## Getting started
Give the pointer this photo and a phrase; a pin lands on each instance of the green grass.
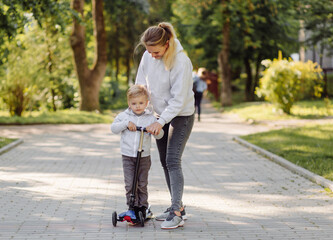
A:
(310, 147)
(5, 141)
(58, 117)
(315, 109)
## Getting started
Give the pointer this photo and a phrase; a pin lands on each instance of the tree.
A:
(267, 27)
(14, 14)
(223, 58)
(240, 34)
(89, 79)
(126, 20)
(318, 21)
(36, 60)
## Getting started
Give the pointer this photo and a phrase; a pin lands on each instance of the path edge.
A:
(289, 165)
(10, 146)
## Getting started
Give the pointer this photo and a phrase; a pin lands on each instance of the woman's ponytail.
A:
(170, 54)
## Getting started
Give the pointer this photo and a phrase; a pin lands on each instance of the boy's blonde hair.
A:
(137, 91)
(158, 36)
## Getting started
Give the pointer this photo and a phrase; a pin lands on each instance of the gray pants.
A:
(171, 148)
(141, 195)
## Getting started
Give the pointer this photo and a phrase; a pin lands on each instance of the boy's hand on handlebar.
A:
(131, 126)
(154, 128)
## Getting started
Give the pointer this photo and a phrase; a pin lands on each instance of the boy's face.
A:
(138, 104)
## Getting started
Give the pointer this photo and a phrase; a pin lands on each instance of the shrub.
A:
(286, 81)
(17, 87)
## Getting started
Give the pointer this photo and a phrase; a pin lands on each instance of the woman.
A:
(167, 72)
(199, 86)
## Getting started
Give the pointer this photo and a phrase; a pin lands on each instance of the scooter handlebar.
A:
(140, 128)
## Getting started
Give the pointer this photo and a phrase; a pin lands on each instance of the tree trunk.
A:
(117, 56)
(90, 80)
(223, 60)
(128, 66)
(248, 86)
(256, 77)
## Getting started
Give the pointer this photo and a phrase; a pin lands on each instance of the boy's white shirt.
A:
(170, 90)
(129, 142)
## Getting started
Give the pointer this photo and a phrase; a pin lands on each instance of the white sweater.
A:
(129, 142)
(170, 90)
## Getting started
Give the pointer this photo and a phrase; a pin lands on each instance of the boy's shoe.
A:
(136, 211)
(143, 209)
(149, 213)
(172, 221)
(163, 216)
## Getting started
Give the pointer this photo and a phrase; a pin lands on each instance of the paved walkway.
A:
(65, 181)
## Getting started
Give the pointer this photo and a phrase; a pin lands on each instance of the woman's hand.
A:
(154, 128)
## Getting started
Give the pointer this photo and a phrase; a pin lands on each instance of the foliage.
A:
(257, 28)
(19, 80)
(39, 71)
(309, 146)
(285, 82)
(318, 20)
(112, 94)
(15, 14)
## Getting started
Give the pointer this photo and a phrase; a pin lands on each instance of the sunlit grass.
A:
(5, 141)
(58, 117)
(310, 147)
(266, 111)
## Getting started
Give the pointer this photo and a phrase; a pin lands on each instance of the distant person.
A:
(167, 72)
(125, 123)
(199, 86)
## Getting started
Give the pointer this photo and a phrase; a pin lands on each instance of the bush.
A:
(18, 82)
(285, 81)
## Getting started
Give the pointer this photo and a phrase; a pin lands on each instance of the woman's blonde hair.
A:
(158, 36)
(137, 91)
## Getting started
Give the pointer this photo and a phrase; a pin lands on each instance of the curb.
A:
(289, 165)
(10, 146)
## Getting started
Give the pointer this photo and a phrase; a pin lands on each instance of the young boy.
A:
(125, 123)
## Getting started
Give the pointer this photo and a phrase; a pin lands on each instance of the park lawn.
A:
(5, 141)
(258, 111)
(310, 147)
(58, 117)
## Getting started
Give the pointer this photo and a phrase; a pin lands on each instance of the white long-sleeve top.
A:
(129, 141)
(170, 90)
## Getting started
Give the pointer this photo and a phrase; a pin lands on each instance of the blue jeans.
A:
(171, 148)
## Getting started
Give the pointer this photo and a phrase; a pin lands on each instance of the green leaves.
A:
(318, 19)
(285, 82)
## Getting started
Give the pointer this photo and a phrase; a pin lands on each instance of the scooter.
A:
(130, 215)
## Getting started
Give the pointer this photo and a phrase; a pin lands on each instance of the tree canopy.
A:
(227, 37)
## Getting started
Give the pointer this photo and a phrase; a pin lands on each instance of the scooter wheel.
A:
(142, 220)
(114, 219)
